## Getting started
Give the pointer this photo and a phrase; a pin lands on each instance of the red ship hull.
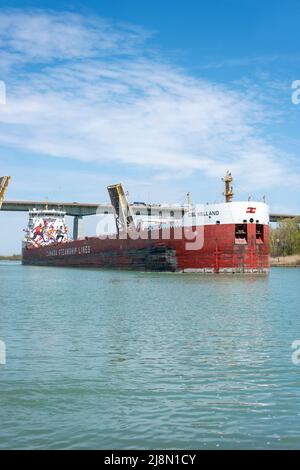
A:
(221, 252)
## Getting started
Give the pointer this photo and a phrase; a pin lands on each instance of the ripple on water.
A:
(112, 359)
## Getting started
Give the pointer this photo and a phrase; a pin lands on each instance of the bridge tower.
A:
(4, 181)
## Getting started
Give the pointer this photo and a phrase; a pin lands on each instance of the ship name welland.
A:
(208, 213)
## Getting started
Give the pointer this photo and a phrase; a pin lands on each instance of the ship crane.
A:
(122, 211)
(4, 181)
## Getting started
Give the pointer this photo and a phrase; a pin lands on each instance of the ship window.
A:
(217, 222)
(138, 213)
(251, 220)
(259, 233)
(172, 213)
(244, 221)
(241, 233)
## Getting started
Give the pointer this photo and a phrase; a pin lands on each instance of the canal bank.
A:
(292, 261)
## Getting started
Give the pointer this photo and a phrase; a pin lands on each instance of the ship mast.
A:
(228, 188)
(189, 201)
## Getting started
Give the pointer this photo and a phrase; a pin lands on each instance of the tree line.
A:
(285, 238)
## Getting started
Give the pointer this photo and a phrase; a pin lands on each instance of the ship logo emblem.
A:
(251, 210)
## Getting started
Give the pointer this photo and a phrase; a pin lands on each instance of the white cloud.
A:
(86, 89)
(42, 36)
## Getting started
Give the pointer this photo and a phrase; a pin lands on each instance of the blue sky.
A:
(163, 96)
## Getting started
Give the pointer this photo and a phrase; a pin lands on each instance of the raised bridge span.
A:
(79, 210)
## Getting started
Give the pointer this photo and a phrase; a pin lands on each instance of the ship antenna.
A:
(228, 188)
(189, 201)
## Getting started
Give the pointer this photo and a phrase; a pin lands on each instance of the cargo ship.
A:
(229, 237)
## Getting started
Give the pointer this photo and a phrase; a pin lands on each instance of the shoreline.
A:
(284, 266)
(292, 261)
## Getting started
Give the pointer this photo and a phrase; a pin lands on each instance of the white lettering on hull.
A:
(69, 251)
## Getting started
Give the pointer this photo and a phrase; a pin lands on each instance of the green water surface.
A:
(99, 359)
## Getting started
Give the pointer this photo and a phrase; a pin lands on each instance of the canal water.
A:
(99, 359)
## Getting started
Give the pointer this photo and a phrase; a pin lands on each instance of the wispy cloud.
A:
(251, 61)
(42, 36)
(88, 89)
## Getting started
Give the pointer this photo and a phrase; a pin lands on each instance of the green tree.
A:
(285, 238)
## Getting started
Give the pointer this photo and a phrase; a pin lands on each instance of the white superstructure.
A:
(210, 214)
(46, 227)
